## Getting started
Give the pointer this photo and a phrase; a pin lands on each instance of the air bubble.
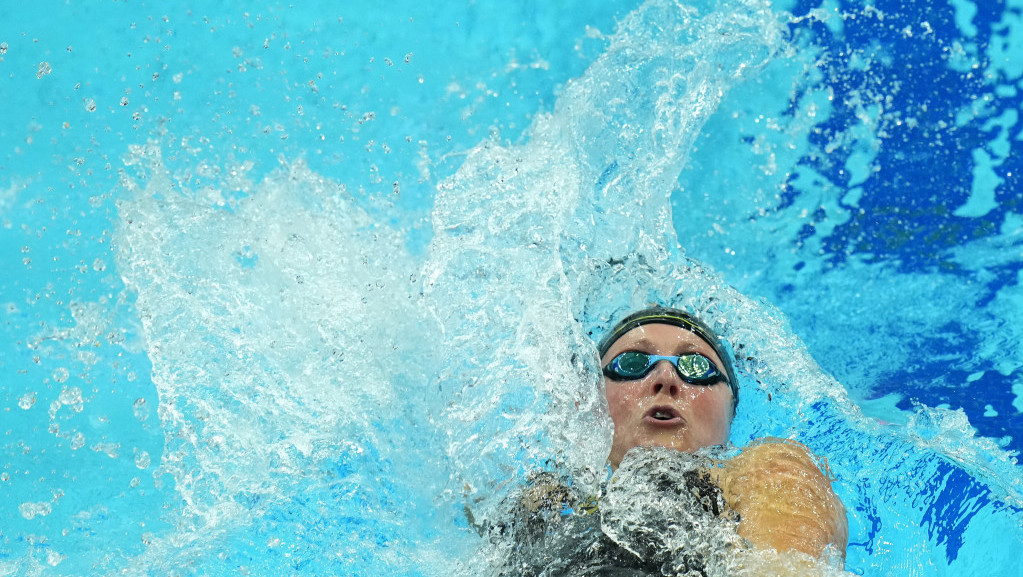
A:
(124, 101)
(61, 375)
(27, 400)
(3, 48)
(77, 441)
(142, 460)
(90, 105)
(44, 69)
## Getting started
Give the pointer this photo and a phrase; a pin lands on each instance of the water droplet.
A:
(61, 375)
(53, 558)
(99, 265)
(141, 410)
(3, 48)
(5, 477)
(124, 101)
(31, 510)
(111, 450)
(27, 400)
(71, 397)
(142, 460)
(44, 69)
(408, 58)
(90, 104)
(77, 441)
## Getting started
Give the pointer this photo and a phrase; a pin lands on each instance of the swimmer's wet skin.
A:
(784, 501)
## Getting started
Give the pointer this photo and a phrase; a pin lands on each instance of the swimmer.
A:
(671, 391)
(670, 383)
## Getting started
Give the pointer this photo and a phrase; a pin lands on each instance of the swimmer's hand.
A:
(783, 499)
(545, 495)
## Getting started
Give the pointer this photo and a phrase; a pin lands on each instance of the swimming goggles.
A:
(693, 368)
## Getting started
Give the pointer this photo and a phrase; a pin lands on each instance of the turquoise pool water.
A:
(287, 287)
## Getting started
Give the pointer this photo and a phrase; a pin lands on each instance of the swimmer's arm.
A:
(783, 499)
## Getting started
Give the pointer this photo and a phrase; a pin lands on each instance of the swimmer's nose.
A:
(664, 379)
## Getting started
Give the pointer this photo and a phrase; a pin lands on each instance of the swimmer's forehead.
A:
(662, 338)
(656, 315)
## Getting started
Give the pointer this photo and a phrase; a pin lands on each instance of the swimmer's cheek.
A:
(784, 501)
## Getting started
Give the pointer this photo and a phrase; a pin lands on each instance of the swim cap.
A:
(678, 318)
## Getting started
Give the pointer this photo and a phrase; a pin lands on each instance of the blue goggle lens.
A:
(693, 368)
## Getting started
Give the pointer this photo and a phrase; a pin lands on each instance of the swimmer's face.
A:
(660, 409)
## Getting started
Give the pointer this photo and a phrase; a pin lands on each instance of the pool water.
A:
(300, 289)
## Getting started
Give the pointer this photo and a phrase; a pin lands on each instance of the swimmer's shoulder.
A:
(784, 498)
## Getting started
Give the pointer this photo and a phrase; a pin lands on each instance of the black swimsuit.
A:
(659, 515)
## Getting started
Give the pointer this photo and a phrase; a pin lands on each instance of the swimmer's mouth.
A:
(663, 415)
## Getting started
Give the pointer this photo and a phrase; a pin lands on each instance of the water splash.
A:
(285, 341)
(526, 238)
